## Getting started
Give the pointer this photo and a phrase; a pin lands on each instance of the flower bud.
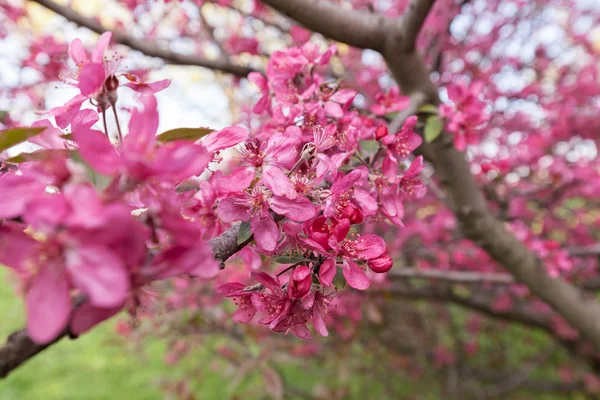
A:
(381, 132)
(381, 264)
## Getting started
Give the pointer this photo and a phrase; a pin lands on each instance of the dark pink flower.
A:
(400, 146)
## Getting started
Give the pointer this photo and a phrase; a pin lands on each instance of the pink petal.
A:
(334, 109)
(250, 258)
(266, 232)
(101, 44)
(48, 304)
(65, 113)
(178, 160)
(372, 246)
(300, 209)
(17, 191)
(236, 182)
(258, 79)
(47, 211)
(142, 126)
(230, 289)
(267, 281)
(196, 260)
(206, 265)
(87, 316)
(324, 165)
(390, 167)
(355, 276)
(302, 332)
(100, 274)
(229, 211)
(278, 182)
(245, 312)
(366, 202)
(16, 247)
(149, 88)
(225, 138)
(96, 149)
(77, 52)
(86, 207)
(343, 96)
(50, 137)
(327, 272)
(262, 104)
(91, 79)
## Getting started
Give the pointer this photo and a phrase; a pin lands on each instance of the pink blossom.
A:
(389, 102)
(465, 114)
(400, 146)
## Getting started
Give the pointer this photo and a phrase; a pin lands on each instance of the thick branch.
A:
(453, 276)
(20, 348)
(145, 46)
(356, 28)
(413, 20)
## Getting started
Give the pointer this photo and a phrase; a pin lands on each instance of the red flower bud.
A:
(353, 213)
(381, 132)
(381, 264)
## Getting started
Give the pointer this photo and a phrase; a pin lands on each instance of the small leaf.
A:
(244, 233)
(433, 128)
(68, 136)
(339, 281)
(428, 109)
(39, 155)
(14, 136)
(184, 133)
(290, 260)
(369, 146)
(390, 116)
(187, 186)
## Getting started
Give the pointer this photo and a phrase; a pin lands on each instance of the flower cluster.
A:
(465, 114)
(303, 186)
(104, 218)
(101, 219)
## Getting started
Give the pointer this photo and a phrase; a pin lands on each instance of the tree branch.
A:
(145, 46)
(453, 276)
(19, 347)
(356, 28)
(413, 19)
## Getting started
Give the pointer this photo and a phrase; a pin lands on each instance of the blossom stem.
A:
(104, 123)
(362, 161)
(114, 108)
(291, 267)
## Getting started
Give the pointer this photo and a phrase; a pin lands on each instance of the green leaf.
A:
(39, 155)
(244, 233)
(339, 281)
(390, 116)
(433, 128)
(369, 146)
(186, 186)
(184, 133)
(428, 109)
(14, 136)
(290, 259)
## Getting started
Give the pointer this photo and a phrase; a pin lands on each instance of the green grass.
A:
(102, 365)
(96, 366)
